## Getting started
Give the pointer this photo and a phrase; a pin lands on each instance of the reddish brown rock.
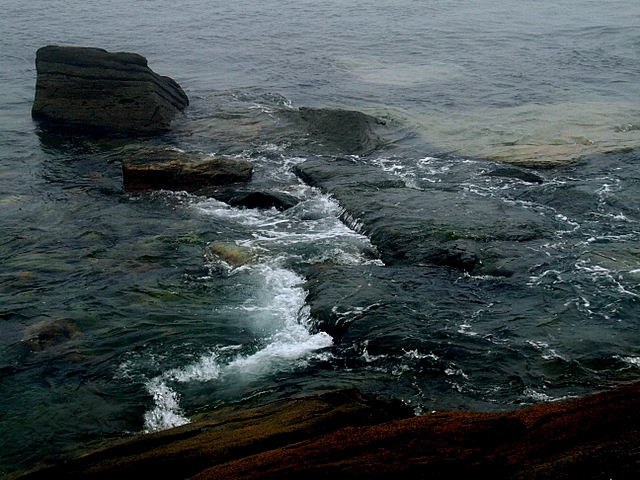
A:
(347, 435)
(174, 170)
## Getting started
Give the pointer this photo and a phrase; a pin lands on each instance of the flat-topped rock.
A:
(90, 89)
(175, 170)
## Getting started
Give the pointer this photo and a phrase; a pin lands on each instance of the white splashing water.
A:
(276, 311)
(281, 304)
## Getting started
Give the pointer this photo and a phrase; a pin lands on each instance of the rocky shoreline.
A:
(346, 434)
(342, 434)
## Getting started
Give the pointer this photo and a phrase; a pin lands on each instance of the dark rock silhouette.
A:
(515, 173)
(261, 199)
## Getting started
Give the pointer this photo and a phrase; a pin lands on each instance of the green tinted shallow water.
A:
(151, 328)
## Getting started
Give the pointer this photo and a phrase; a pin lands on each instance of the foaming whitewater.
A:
(278, 307)
(275, 313)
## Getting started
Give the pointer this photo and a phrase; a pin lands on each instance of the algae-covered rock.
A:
(91, 89)
(232, 254)
(435, 227)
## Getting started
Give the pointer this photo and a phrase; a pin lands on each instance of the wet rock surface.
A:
(261, 199)
(428, 227)
(174, 170)
(515, 173)
(349, 435)
(90, 89)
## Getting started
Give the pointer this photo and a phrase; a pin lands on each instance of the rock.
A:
(90, 89)
(257, 199)
(234, 255)
(49, 333)
(352, 132)
(174, 170)
(476, 234)
(516, 173)
(230, 433)
(353, 436)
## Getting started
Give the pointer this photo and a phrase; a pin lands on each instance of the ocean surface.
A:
(155, 324)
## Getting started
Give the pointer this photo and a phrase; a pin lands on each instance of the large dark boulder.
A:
(175, 170)
(90, 89)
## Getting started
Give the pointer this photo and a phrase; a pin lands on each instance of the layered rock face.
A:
(90, 89)
(350, 435)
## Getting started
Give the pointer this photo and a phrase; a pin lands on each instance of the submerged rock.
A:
(408, 226)
(91, 89)
(49, 333)
(349, 435)
(174, 170)
(352, 132)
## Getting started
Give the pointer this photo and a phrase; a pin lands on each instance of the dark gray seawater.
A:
(158, 328)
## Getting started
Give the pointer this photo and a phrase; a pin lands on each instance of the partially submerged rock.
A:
(515, 173)
(436, 227)
(230, 253)
(261, 199)
(349, 131)
(90, 89)
(175, 170)
(349, 435)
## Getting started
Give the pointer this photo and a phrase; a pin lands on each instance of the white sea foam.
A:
(166, 412)
(631, 361)
(599, 273)
(279, 308)
(542, 397)
(276, 311)
(547, 353)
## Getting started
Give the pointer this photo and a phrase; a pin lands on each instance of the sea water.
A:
(160, 327)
